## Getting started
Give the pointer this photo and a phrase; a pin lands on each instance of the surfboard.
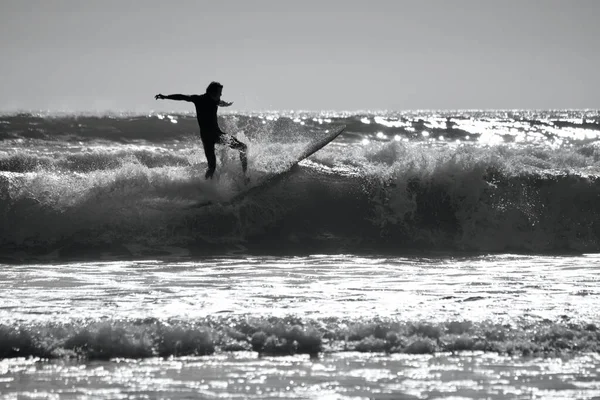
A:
(311, 149)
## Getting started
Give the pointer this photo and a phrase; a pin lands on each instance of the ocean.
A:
(420, 255)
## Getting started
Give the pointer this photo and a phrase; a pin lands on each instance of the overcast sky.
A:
(310, 55)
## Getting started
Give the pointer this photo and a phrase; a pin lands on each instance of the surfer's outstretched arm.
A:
(181, 97)
(224, 103)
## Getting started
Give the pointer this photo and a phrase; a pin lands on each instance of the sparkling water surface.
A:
(517, 290)
(334, 376)
(499, 287)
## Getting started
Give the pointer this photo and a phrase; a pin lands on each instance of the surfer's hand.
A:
(224, 103)
(159, 97)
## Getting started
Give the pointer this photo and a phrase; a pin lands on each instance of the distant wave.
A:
(551, 127)
(285, 336)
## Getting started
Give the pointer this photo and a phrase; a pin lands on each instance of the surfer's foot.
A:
(209, 174)
(246, 180)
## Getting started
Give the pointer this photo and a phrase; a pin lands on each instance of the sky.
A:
(73, 55)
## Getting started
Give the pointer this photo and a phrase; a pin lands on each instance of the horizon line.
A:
(283, 111)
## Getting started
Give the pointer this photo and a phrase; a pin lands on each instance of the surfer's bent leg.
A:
(242, 148)
(209, 151)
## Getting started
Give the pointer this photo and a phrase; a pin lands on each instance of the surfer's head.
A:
(214, 90)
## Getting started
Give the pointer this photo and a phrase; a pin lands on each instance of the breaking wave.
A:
(365, 191)
(291, 335)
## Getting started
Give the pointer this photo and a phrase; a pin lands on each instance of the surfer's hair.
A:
(213, 87)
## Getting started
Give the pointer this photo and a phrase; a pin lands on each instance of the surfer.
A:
(206, 112)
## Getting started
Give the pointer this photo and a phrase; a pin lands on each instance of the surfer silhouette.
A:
(206, 112)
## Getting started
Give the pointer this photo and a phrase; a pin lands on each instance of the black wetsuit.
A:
(206, 112)
(211, 134)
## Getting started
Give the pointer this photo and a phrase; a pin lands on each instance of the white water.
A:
(499, 288)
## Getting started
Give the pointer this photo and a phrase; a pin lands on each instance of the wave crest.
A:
(291, 335)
